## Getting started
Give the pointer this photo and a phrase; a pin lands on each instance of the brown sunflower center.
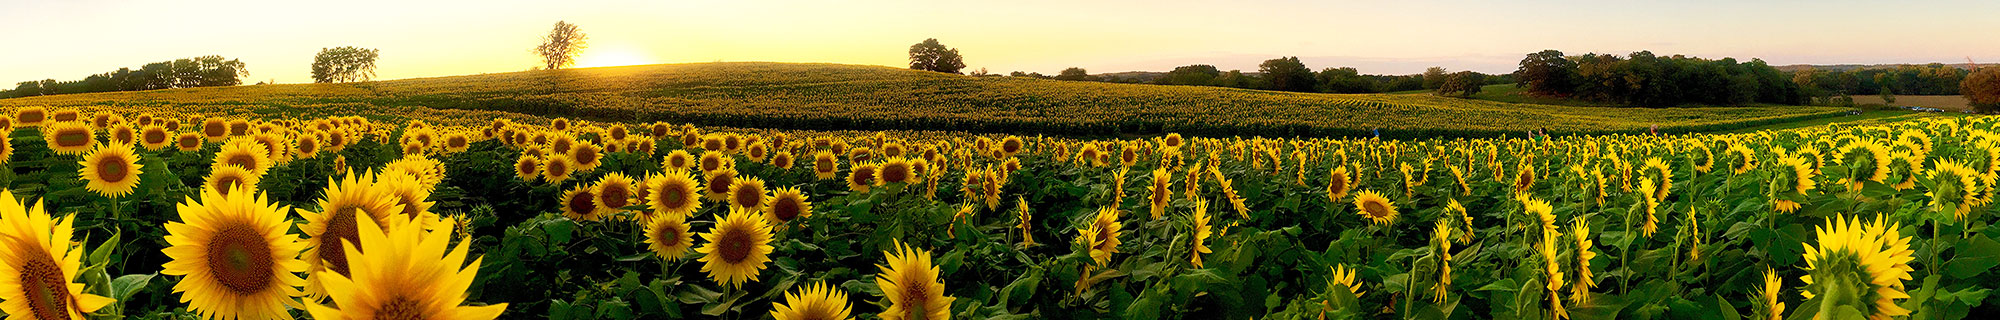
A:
(46, 289)
(72, 138)
(1376, 209)
(720, 184)
(242, 159)
(615, 195)
(896, 172)
(823, 165)
(581, 204)
(240, 259)
(155, 137)
(400, 308)
(225, 182)
(342, 226)
(785, 209)
(524, 167)
(667, 236)
(112, 169)
(916, 291)
(214, 129)
(673, 196)
(749, 196)
(734, 246)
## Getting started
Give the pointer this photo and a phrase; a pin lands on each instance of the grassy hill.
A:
(833, 97)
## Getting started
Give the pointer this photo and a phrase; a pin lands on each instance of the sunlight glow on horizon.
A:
(452, 37)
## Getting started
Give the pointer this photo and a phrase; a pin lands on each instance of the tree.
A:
(1287, 74)
(560, 48)
(1073, 74)
(1344, 80)
(1196, 75)
(933, 56)
(1434, 77)
(344, 64)
(1546, 73)
(1982, 89)
(1461, 84)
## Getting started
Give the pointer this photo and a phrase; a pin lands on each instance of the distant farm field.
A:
(1949, 103)
(842, 97)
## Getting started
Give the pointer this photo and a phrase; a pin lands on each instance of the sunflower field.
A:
(162, 212)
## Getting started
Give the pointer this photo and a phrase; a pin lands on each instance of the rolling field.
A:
(836, 97)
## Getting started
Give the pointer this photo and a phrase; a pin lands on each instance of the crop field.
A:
(838, 97)
(174, 207)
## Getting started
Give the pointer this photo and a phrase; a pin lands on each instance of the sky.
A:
(67, 40)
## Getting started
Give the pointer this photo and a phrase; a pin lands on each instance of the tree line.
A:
(204, 71)
(1644, 79)
(1290, 74)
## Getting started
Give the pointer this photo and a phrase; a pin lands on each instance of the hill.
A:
(834, 97)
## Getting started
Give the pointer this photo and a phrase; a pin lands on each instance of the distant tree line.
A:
(1932, 79)
(205, 71)
(1644, 79)
(1289, 74)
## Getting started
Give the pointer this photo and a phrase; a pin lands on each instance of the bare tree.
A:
(560, 47)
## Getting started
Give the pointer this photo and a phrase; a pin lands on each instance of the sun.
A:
(612, 57)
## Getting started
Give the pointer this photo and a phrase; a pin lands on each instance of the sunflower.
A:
(306, 146)
(1441, 239)
(407, 274)
(1201, 232)
(6, 150)
(1553, 270)
(69, 138)
(673, 195)
(718, 185)
(1907, 166)
(1525, 178)
(557, 169)
(188, 142)
(412, 196)
(235, 259)
(614, 192)
(1663, 178)
(1652, 207)
(1773, 308)
(428, 172)
(786, 204)
(587, 156)
(815, 301)
(528, 168)
(748, 193)
(227, 178)
(825, 165)
(910, 282)
(1337, 184)
(1741, 159)
(244, 153)
(1101, 236)
(1377, 209)
(38, 263)
(1866, 162)
(738, 248)
(345, 202)
(1579, 294)
(1021, 212)
(155, 137)
(899, 170)
(678, 159)
(862, 176)
(580, 204)
(1954, 187)
(31, 116)
(712, 161)
(667, 236)
(1342, 277)
(1791, 184)
(1859, 265)
(110, 170)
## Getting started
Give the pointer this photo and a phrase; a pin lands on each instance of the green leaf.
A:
(1973, 257)
(558, 231)
(125, 286)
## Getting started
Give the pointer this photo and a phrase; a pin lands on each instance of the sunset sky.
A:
(67, 40)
